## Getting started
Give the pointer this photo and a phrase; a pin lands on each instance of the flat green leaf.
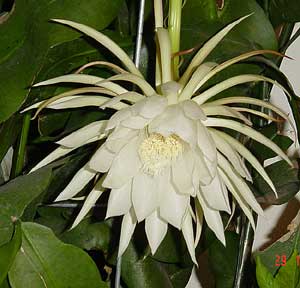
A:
(9, 251)
(288, 275)
(285, 179)
(284, 11)
(5, 283)
(264, 277)
(44, 261)
(282, 248)
(16, 195)
(223, 260)
(27, 36)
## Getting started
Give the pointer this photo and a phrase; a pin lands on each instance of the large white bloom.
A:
(165, 159)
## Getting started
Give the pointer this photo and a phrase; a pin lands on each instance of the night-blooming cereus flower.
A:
(165, 159)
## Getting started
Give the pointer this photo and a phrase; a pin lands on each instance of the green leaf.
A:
(286, 182)
(89, 236)
(27, 36)
(9, 251)
(264, 277)
(283, 247)
(5, 283)
(44, 261)
(223, 260)
(145, 272)
(284, 11)
(16, 195)
(254, 32)
(288, 275)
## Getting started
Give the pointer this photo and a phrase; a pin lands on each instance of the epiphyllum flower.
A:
(165, 148)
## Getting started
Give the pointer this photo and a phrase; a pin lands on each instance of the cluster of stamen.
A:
(157, 152)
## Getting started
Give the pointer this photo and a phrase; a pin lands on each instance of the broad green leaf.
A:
(5, 283)
(16, 195)
(223, 260)
(44, 261)
(254, 32)
(288, 275)
(284, 11)
(181, 277)
(144, 272)
(89, 236)
(9, 131)
(283, 247)
(9, 251)
(264, 277)
(27, 36)
(285, 180)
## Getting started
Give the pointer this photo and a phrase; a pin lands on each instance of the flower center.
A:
(157, 152)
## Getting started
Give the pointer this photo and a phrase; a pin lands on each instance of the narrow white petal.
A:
(193, 111)
(213, 219)
(241, 185)
(238, 197)
(220, 110)
(207, 48)
(119, 201)
(202, 174)
(156, 230)
(206, 142)
(173, 205)
(54, 155)
(135, 122)
(244, 129)
(144, 195)
(125, 165)
(84, 79)
(127, 229)
(248, 156)
(106, 42)
(190, 87)
(199, 222)
(78, 182)
(233, 157)
(101, 160)
(233, 81)
(188, 234)
(182, 173)
(117, 118)
(215, 194)
(89, 202)
(80, 136)
(129, 96)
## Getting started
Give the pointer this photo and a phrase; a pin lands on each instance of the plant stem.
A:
(19, 155)
(245, 247)
(174, 32)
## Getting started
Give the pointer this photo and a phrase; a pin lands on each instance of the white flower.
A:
(165, 159)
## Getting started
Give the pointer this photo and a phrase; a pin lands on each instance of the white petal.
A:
(182, 172)
(215, 194)
(144, 195)
(124, 166)
(127, 229)
(82, 135)
(206, 143)
(199, 222)
(118, 117)
(135, 122)
(172, 204)
(119, 201)
(192, 110)
(102, 159)
(153, 106)
(231, 154)
(117, 140)
(213, 219)
(202, 174)
(238, 197)
(173, 121)
(244, 129)
(106, 42)
(156, 230)
(78, 182)
(56, 154)
(188, 234)
(89, 202)
(241, 185)
(248, 156)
